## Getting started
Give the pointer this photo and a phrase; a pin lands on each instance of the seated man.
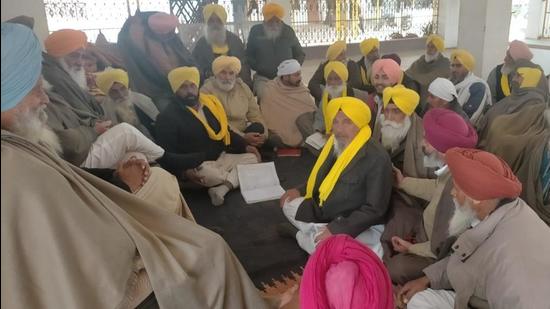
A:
(443, 129)
(385, 73)
(370, 49)
(335, 52)
(499, 261)
(442, 94)
(405, 80)
(349, 187)
(196, 125)
(241, 108)
(336, 74)
(473, 92)
(433, 64)
(126, 105)
(269, 44)
(287, 106)
(151, 48)
(217, 41)
(517, 130)
(122, 250)
(63, 69)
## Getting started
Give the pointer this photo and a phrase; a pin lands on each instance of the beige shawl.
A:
(69, 240)
(281, 105)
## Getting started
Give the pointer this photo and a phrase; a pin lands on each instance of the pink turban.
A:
(445, 129)
(343, 273)
(519, 50)
(389, 67)
(162, 23)
(482, 175)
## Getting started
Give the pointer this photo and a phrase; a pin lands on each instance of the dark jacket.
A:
(359, 199)
(318, 79)
(264, 55)
(203, 55)
(179, 131)
(368, 87)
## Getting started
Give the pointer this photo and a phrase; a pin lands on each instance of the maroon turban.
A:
(482, 175)
(445, 129)
(343, 273)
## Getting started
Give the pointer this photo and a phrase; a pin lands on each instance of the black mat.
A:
(250, 230)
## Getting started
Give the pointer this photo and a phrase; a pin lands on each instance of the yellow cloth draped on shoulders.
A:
(216, 108)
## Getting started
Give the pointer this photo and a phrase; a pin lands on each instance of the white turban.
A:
(443, 88)
(288, 67)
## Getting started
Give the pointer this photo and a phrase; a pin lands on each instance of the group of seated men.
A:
(443, 176)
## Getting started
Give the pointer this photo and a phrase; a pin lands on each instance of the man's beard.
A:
(215, 35)
(456, 79)
(31, 125)
(432, 160)
(430, 58)
(125, 111)
(190, 100)
(394, 133)
(335, 91)
(78, 75)
(462, 219)
(339, 146)
(225, 85)
(506, 69)
(273, 33)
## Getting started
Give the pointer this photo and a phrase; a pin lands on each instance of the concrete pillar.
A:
(32, 8)
(483, 29)
(535, 16)
(448, 21)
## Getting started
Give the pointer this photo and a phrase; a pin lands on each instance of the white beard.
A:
(335, 91)
(430, 58)
(462, 219)
(506, 69)
(225, 85)
(338, 147)
(125, 111)
(31, 125)
(273, 34)
(393, 133)
(433, 161)
(78, 75)
(215, 36)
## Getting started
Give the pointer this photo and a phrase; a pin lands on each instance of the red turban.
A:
(65, 41)
(343, 273)
(445, 129)
(482, 175)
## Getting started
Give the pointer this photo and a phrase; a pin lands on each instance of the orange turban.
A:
(63, 42)
(482, 175)
(389, 67)
(271, 10)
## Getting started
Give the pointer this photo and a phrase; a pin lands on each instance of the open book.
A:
(259, 182)
(316, 140)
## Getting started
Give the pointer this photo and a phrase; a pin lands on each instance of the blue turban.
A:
(21, 63)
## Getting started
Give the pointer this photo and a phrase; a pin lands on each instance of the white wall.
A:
(535, 17)
(448, 21)
(483, 29)
(32, 8)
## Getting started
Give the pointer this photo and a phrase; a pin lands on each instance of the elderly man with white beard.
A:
(443, 129)
(241, 108)
(61, 225)
(216, 42)
(269, 44)
(500, 260)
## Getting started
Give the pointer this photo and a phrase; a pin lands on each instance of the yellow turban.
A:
(337, 67)
(531, 76)
(437, 41)
(226, 62)
(63, 42)
(178, 76)
(215, 9)
(359, 113)
(368, 45)
(335, 50)
(463, 56)
(271, 10)
(405, 99)
(107, 78)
